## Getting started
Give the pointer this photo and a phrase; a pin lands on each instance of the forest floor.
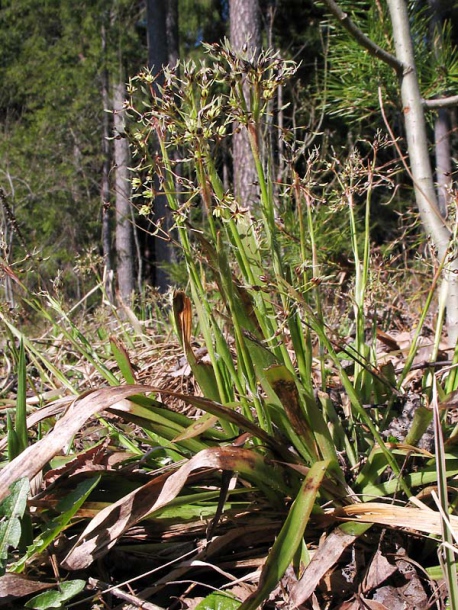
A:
(207, 545)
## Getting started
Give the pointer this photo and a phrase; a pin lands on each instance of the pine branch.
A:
(441, 102)
(362, 39)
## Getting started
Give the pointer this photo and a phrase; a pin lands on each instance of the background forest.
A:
(229, 304)
(63, 69)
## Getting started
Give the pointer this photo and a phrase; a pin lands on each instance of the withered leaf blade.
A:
(388, 341)
(202, 371)
(450, 402)
(15, 586)
(323, 560)
(36, 456)
(104, 529)
(283, 384)
(183, 318)
(380, 569)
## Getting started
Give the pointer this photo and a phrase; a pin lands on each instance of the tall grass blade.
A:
(122, 360)
(447, 551)
(21, 405)
(13, 444)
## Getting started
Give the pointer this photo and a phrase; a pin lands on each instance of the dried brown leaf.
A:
(103, 531)
(324, 558)
(423, 520)
(36, 456)
(183, 317)
(372, 604)
(198, 427)
(91, 459)
(380, 569)
(15, 586)
(51, 410)
(387, 340)
(392, 598)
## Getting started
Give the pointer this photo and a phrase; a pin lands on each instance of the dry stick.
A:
(12, 220)
(132, 599)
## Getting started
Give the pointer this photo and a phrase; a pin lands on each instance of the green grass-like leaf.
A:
(289, 537)
(218, 601)
(21, 406)
(66, 508)
(12, 510)
(57, 599)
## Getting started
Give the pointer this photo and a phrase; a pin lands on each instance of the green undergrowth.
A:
(287, 434)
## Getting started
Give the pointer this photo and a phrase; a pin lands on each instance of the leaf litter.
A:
(233, 559)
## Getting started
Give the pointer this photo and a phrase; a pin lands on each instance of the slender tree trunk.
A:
(159, 18)
(156, 18)
(173, 45)
(442, 123)
(434, 223)
(105, 187)
(245, 35)
(420, 165)
(443, 158)
(124, 236)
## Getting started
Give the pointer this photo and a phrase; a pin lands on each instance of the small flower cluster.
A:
(191, 107)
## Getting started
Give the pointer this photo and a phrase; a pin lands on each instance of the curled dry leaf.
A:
(31, 461)
(39, 415)
(36, 456)
(103, 531)
(91, 459)
(380, 569)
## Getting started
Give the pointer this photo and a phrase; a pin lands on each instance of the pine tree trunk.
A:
(426, 199)
(105, 186)
(7, 236)
(245, 34)
(173, 43)
(161, 18)
(124, 234)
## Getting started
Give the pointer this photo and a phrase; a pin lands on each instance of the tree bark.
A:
(443, 154)
(245, 36)
(124, 235)
(6, 231)
(415, 126)
(162, 24)
(442, 122)
(105, 186)
(173, 46)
